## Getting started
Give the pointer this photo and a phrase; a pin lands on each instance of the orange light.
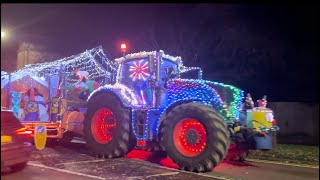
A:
(23, 131)
(123, 47)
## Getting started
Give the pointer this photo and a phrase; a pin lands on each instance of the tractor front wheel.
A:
(194, 137)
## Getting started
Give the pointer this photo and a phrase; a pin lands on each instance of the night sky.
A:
(262, 49)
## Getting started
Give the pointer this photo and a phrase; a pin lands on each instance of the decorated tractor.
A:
(158, 103)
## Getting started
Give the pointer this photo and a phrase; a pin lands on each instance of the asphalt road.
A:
(75, 162)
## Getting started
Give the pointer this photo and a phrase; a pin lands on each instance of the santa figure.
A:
(83, 78)
(263, 102)
(84, 86)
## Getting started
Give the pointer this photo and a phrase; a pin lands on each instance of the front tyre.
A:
(107, 127)
(194, 137)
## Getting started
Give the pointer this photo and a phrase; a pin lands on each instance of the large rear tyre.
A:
(194, 137)
(107, 127)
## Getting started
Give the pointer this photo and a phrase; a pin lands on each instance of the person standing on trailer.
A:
(262, 102)
(248, 104)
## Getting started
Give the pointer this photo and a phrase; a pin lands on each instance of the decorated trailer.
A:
(36, 93)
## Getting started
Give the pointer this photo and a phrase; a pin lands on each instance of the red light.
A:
(23, 131)
(141, 143)
(274, 122)
(123, 47)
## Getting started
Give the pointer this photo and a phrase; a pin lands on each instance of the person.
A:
(262, 102)
(249, 104)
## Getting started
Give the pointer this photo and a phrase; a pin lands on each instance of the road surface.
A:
(75, 162)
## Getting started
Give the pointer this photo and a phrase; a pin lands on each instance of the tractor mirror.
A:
(151, 63)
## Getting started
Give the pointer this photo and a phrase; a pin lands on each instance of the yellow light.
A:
(3, 34)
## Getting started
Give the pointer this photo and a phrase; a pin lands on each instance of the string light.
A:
(99, 67)
(93, 61)
(139, 70)
(15, 99)
(178, 90)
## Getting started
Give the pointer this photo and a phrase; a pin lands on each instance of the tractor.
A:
(158, 102)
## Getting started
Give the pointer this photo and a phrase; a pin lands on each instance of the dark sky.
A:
(263, 49)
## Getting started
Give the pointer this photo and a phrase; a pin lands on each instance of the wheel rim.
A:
(103, 125)
(189, 137)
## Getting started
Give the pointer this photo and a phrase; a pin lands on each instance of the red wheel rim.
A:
(103, 125)
(189, 137)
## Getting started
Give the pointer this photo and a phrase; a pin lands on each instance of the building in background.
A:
(31, 53)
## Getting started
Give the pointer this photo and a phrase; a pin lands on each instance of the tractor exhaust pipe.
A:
(159, 56)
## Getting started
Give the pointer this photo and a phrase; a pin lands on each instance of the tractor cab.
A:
(147, 74)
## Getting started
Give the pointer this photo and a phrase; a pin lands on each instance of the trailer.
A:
(35, 93)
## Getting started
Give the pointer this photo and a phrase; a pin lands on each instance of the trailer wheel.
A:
(107, 127)
(194, 137)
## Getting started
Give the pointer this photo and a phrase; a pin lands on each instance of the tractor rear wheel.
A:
(107, 127)
(194, 137)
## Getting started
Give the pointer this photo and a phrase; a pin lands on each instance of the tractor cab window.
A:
(135, 74)
(168, 70)
(135, 71)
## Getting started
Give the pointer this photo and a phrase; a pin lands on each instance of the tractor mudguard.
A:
(197, 90)
(156, 126)
(125, 94)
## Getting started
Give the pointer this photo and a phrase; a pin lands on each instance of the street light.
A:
(3, 34)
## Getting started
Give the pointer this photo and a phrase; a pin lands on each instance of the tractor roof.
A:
(144, 54)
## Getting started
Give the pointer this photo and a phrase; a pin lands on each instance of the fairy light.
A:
(139, 70)
(126, 95)
(142, 97)
(15, 100)
(94, 61)
(179, 90)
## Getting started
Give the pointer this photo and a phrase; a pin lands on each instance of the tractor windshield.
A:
(135, 74)
(134, 71)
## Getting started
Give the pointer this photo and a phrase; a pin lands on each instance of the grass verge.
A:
(300, 154)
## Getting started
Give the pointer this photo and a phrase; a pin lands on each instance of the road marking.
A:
(227, 177)
(211, 176)
(66, 171)
(99, 160)
(163, 174)
(283, 163)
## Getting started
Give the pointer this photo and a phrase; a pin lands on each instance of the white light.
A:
(3, 34)
(269, 117)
